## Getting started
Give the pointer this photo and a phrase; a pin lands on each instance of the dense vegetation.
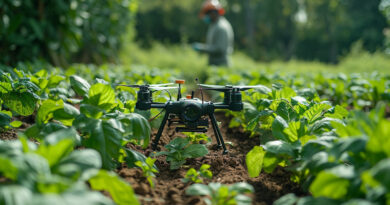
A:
(330, 133)
(270, 30)
(63, 31)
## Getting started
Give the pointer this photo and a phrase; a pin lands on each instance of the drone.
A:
(190, 114)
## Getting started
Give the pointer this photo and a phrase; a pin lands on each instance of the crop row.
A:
(309, 124)
(338, 155)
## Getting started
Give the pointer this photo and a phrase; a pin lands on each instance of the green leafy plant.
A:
(220, 194)
(148, 169)
(179, 149)
(196, 176)
(6, 120)
(195, 138)
(55, 173)
(19, 95)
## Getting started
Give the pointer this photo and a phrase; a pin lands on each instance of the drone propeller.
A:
(161, 88)
(225, 88)
(159, 85)
(153, 86)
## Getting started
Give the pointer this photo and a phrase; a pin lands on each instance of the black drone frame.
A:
(190, 114)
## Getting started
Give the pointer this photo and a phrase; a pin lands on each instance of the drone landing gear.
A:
(218, 134)
(214, 124)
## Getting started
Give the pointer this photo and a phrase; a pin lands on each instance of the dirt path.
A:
(227, 169)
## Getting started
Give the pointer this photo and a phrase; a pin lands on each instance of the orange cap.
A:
(189, 97)
(180, 81)
(210, 5)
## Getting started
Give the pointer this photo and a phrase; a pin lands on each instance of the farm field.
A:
(189, 102)
(73, 135)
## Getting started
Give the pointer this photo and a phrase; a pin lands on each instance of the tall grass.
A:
(193, 64)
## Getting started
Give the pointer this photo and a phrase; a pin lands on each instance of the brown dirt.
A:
(8, 135)
(227, 169)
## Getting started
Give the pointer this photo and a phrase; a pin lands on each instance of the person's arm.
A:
(218, 46)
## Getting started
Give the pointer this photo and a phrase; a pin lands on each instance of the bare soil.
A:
(227, 169)
(8, 134)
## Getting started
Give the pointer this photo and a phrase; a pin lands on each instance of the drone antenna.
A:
(200, 88)
(179, 82)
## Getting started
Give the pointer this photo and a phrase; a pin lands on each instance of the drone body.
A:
(190, 114)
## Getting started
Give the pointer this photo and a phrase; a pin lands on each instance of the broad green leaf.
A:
(242, 187)
(7, 168)
(315, 112)
(102, 96)
(270, 161)
(138, 126)
(295, 130)
(175, 164)
(81, 196)
(78, 162)
(22, 103)
(337, 112)
(358, 202)
(254, 161)
(91, 111)
(262, 89)
(178, 143)
(198, 189)
(344, 145)
(52, 184)
(133, 156)
(54, 80)
(299, 100)
(254, 121)
(45, 112)
(30, 166)
(278, 127)
(54, 153)
(285, 111)
(120, 191)
(279, 147)
(79, 85)
(15, 195)
(329, 185)
(39, 133)
(66, 114)
(16, 123)
(288, 199)
(195, 150)
(379, 141)
(323, 125)
(381, 172)
(66, 133)
(103, 137)
(318, 162)
(284, 93)
(5, 120)
(5, 87)
(317, 201)
(343, 130)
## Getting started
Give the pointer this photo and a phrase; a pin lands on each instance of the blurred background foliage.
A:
(155, 32)
(272, 29)
(63, 31)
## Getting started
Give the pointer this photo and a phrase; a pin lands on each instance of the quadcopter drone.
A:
(190, 114)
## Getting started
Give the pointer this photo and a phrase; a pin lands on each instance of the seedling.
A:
(180, 149)
(196, 176)
(148, 169)
(220, 194)
(195, 138)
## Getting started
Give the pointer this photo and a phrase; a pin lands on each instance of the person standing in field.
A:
(219, 41)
